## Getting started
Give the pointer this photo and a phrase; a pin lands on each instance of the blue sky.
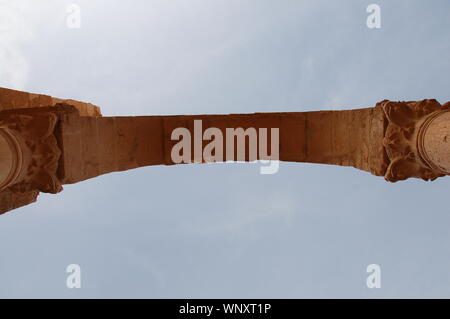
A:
(207, 231)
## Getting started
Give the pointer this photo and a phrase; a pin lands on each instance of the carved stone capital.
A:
(408, 139)
(28, 144)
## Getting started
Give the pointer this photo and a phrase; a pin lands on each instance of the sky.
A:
(226, 231)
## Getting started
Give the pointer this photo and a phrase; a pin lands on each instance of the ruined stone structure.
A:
(47, 142)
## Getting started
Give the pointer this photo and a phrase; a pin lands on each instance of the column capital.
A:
(415, 139)
(29, 150)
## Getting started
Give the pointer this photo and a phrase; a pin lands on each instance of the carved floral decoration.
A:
(404, 120)
(36, 133)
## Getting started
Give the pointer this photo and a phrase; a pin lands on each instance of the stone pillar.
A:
(47, 142)
(97, 145)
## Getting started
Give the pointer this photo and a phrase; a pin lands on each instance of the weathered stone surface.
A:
(30, 122)
(10, 200)
(12, 99)
(434, 144)
(95, 146)
(405, 126)
(46, 142)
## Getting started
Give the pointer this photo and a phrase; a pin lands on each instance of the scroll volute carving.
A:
(403, 123)
(40, 152)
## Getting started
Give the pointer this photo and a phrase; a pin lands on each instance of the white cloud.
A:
(14, 31)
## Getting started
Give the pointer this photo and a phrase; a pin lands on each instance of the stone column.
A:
(97, 145)
(47, 142)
